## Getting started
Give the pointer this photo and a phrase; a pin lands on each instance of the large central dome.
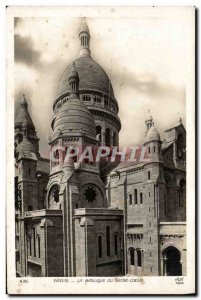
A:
(92, 78)
(95, 92)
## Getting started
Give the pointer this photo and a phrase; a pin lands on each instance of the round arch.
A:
(53, 195)
(172, 261)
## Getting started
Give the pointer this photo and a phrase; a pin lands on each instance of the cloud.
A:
(150, 85)
(25, 52)
(147, 84)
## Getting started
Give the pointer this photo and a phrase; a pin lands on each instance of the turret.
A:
(152, 140)
(73, 82)
(24, 126)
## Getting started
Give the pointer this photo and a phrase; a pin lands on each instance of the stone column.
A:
(111, 137)
(135, 261)
(164, 266)
(142, 258)
(60, 144)
(161, 266)
(103, 138)
(129, 262)
(92, 99)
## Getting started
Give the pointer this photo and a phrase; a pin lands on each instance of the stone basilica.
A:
(97, 219)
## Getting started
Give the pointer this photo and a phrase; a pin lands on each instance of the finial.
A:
(83, 26)
(179, 118)
(149, 116)
(24, 101)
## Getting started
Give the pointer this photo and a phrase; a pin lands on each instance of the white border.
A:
(156, 284)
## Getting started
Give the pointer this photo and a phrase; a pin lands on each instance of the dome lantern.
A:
(84, 39)
(149, 120)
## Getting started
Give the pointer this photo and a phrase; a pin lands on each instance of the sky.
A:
(144, 57)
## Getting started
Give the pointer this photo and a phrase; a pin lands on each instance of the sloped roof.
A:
(43, 165)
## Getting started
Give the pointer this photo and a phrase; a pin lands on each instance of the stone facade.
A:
(79, 219)
(153, 197)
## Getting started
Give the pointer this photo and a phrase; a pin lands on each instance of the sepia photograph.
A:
(102, 126)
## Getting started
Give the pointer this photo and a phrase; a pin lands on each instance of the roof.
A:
(27, 155)
(91, 75)
(152, 135)
(175, 126)
(165, 145)
(23, 115)
(26, 146)
(126, 164)
(43, 165)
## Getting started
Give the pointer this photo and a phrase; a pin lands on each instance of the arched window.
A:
(172, 263)
(99, 133)
(130, 199)
(107, 137)
(56, 157)
(149, 150)
(141, 198)
(135, 193)
(100, 246)
(132, 257)
(55, 193)
(149, 175)
(38, 243)
(106, 102)
(139, 258)
(116, 244)
(108, 240)
(34, 241)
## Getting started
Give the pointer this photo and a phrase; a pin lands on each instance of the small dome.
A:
(92, 77)
(26, 146)
(74, 116)
(152, 135)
